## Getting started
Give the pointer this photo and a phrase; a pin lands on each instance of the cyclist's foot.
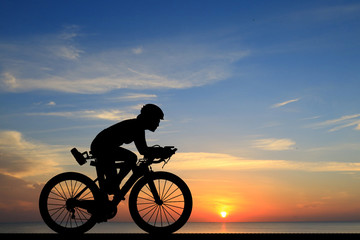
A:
(105, 211)
(111, 210)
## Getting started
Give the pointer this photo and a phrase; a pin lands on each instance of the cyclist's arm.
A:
(140, 143)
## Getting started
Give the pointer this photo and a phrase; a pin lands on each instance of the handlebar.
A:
(163, 154)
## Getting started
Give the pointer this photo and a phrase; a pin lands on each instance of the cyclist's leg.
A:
(109, 169)
(106, 158)
(129, 158)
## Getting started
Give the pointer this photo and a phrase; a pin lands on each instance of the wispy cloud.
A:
(274, 144)
(340, 123)
(58, 62)
(63, 44)
(281, 104)
(137, 50)
(111, 115)
(66, 52)
(51, 103)
(135, 97)
(221, 161)
(70, 32)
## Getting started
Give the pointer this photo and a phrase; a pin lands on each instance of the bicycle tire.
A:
(167, 217)
(53, 203)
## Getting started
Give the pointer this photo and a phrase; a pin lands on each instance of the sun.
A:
(223, 214)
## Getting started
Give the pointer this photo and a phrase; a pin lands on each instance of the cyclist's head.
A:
(152, 111)
(151, 115)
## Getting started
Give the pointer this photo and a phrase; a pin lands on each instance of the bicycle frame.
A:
(159, 202)
(143, 170)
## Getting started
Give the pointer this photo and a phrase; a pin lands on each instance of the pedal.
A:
(111, 212)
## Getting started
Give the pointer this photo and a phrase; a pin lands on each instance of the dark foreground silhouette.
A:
(183, 236)
(159, 202)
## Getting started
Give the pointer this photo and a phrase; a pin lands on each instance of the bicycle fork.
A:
(154, 191)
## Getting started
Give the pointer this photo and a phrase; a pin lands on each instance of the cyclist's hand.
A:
(161, 152)
(155, 152)
(168, 152)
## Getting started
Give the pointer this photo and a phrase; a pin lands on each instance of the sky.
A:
(260, 97)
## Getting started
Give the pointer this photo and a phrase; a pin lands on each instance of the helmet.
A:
(152, 111)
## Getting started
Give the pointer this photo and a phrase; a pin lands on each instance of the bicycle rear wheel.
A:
(167, 216)
(56, 208)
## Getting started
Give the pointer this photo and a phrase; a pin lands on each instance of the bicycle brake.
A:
(165, 162)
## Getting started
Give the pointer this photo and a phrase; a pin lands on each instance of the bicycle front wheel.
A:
(55, 203)
(166, 216)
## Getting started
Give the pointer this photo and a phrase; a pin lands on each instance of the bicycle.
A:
(159, 202)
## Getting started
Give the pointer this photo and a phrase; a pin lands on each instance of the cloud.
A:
(22, 158)
(122, 77)
(340, 123)
(111, 115)
(69, 32)
(63, 45)
(57, 62)
(51, 103)
(205, 161)
(66, 52)
(220, 161)
(277, 105)
(274, 144)
(8, 81)
(137, 50)
(339, 120)
(135, 97)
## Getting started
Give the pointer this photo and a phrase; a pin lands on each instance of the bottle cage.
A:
(80, 157)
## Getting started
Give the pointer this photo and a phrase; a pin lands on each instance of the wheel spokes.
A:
(166, 213)
(57, 203)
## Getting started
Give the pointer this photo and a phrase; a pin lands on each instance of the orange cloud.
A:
(24, 158)
(222, 161)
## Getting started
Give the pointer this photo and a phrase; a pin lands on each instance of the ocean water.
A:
(192, 227)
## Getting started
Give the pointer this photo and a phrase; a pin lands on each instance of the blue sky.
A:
(249, 80)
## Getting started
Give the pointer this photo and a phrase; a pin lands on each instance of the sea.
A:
(196, 227)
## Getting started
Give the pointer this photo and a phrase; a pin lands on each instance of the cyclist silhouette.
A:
(106, 146)
(160, 202)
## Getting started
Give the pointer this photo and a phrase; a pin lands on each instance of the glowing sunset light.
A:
(266, 123)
